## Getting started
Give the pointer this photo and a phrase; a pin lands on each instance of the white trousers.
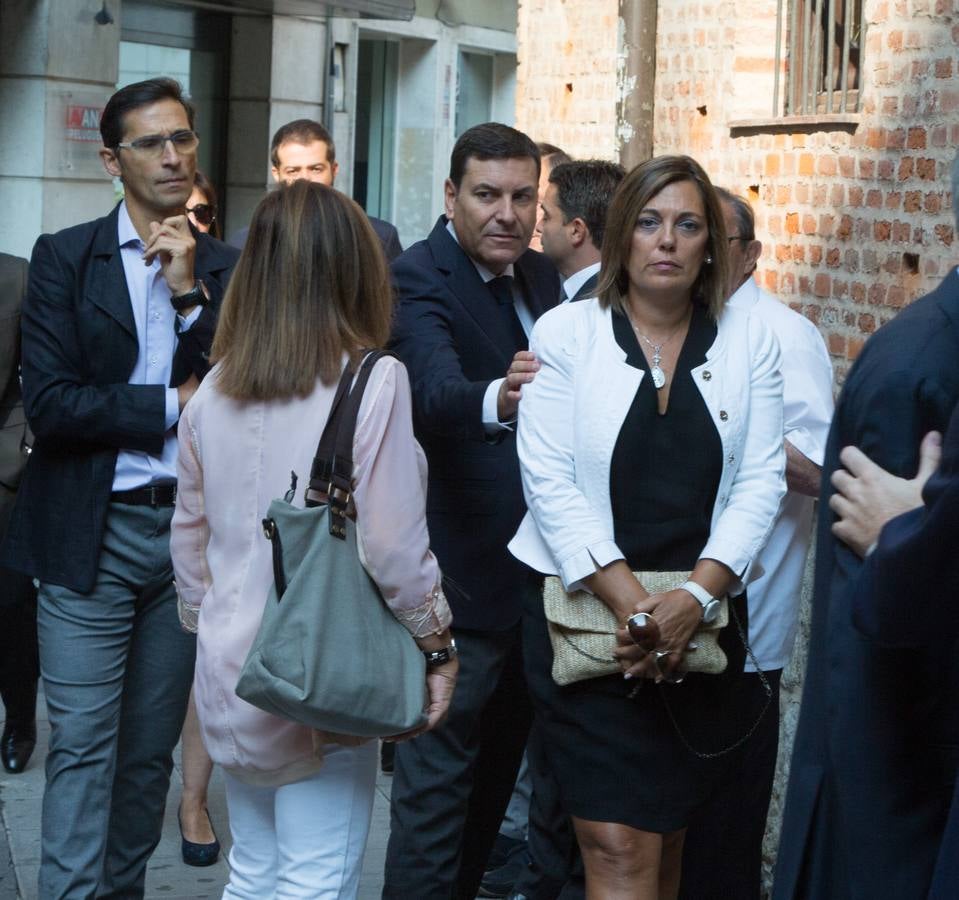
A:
(306, 839)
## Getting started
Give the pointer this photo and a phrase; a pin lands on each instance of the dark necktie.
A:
(501, 288)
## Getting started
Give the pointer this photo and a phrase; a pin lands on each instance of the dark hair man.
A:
(722, 855)
(549, 155)
(117, 322)
(305, 149)
(469, 295)
(573, 221)
(872, 772)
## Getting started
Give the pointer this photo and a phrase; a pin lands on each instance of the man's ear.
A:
(334, 168)
(754, 250)
(449, 197)
(275, 172)
(578, 232)
(110, 162)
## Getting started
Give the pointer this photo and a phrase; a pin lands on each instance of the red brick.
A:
(890, 106)
(839, 288)
(896, 297)
(881, 230)
(893, 264)
(784, 253)
(940, 136)
(826, 225)
(783, 194)
(886, 168)
(772, 165)
(866, 323)
(896, 139)
(867, 168)
(819, 195)
(857, 291)
(802, 192)
(916, 139)
(875, 138)
(926, 169)
(837, 345)
(847, 166)
(912, 201)
(893, 198)
(812, 312)
(932, 203)
(806, 161)
(821, 285)
(944, 67)
(792, 223)
(877, 294)
(874, 199)
(827, 165)
(854, 348)
(833, 259)
(837, 195)
(815, 255)
(945, 234)
(901, 232)
(906, 165)
(855, 196)
(845, 228)
(852, 261)
(809, 224)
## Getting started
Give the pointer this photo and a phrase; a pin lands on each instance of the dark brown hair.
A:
(636, 192)
(491, 140)
(301, 131)
(134, 96)
(310, 284)
(209, 192)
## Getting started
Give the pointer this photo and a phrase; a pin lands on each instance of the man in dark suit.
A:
(469, 295)
(573, 221)
(19, 666)
(117, 325)
(305, 149)
(878, 735)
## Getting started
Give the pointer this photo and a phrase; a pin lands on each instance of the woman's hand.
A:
(677, 613)
(440, 682)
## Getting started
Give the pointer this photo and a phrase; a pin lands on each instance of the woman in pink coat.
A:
(310, 290)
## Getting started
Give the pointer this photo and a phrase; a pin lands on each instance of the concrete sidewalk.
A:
(20, 800)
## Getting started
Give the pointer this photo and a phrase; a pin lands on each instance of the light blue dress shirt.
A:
(156, 324)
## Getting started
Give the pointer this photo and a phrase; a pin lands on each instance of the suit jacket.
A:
(387, 233)
(454, 341)
(15, 438)
(79, 348)
(877, 737)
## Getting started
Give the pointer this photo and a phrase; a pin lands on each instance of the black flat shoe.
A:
(17, 745)
(198, 854)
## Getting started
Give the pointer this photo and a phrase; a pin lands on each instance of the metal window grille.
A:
(823, 56)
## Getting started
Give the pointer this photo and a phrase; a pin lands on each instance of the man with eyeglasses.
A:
(117, 325)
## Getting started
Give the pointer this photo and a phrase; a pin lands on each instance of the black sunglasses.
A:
(204, 213)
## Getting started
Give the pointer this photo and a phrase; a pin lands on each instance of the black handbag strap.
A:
(332, 472)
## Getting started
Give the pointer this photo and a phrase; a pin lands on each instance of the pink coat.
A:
(234, 459)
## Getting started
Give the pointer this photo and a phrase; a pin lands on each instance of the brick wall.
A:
(856, 221)
(567, 55)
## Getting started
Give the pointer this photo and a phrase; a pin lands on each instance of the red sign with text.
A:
(83, 123)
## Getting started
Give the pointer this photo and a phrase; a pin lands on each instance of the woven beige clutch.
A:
(582, 630)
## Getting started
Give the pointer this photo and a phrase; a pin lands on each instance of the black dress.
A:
(619, 759)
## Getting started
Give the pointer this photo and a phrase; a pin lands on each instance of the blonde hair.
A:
(311, 283)
(635, 193)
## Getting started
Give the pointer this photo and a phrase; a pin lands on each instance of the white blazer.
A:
(571, 415)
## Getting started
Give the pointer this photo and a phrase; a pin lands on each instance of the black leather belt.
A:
(152, 495)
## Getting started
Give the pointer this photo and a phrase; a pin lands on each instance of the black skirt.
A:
(633, 761)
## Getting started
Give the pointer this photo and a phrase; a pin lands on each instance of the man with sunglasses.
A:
(117, 325)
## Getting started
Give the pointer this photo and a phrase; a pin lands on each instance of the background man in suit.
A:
(722, 854)
(549, 155)
(117, 321)
(913, 556)
(305, 149)
(878, 739)
(573, 221)
(469, 295)
(19, 666)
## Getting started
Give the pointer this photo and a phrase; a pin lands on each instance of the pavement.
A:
(20, 802)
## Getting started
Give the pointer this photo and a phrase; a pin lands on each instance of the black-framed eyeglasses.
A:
(151, 146)
(204, 213)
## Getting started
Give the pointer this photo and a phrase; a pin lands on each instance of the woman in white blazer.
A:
(650, 439)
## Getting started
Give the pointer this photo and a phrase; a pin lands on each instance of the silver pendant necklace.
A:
(656, 370)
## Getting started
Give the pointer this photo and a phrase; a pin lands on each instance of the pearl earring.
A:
(708, 260)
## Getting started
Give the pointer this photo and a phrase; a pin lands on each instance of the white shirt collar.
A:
(126, 233)
(575, 281)
(484, 273)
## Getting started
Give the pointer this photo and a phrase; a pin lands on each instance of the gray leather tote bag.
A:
(329, 653)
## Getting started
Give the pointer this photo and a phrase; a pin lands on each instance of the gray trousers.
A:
(117, 670)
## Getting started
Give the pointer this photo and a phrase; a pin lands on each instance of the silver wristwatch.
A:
(436, 658)
(709, 603)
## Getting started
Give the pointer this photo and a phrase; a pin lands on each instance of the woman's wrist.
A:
(430, 643)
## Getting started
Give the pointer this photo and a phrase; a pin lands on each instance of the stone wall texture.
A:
(855, 218)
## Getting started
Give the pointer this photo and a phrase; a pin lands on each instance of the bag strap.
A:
(332, 470)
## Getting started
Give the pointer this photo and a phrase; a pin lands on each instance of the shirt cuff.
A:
(172, 407)
(491, 420)
(184, 323)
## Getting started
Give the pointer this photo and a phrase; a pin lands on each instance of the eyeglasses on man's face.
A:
(151, 146)
(204, 213)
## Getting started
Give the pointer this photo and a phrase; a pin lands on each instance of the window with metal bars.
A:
(824, 41)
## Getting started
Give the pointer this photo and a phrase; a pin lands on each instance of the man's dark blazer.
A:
(879, 728)
(909, 600)
(79, 348)
(387, 233)
(15, 438)
(454, 341)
